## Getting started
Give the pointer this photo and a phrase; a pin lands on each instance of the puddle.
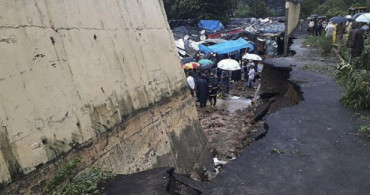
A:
(233, 103)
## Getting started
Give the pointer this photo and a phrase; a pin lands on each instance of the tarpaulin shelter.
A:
(210, 25)
(227, 47)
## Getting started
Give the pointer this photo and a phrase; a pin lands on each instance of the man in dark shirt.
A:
(357, 41)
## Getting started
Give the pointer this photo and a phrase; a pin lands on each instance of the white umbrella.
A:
(249, 56)
(363, 18)
(228, 64)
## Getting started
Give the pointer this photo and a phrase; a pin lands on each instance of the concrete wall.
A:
(74, 71)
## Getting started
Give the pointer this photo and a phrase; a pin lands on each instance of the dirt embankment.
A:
(228, 132)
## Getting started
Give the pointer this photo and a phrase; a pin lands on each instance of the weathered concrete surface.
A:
(88, 74)
(310, 148)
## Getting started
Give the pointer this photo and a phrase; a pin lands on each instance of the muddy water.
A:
(233, 103)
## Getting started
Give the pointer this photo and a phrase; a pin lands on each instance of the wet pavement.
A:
(311, 148)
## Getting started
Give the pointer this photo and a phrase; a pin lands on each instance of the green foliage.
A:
(332, 8)
(357, 84)
(355, 77)
(199, 9)
(242, 10)
(216, 10)
(259, 9)
(365, 129)
(308, 7)
(322, 43)
(86, 183)
(63, 174)
(277, 151)
(364, 60)
(64, 182)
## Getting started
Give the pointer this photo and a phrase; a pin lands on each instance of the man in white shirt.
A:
(191, 83)
(330, 28)
(251, 76)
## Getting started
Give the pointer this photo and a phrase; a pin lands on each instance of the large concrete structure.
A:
(99, 79)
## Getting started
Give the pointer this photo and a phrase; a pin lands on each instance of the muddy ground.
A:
(235, 121)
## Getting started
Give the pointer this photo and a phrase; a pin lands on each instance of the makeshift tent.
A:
(227, 47)
(210, 25)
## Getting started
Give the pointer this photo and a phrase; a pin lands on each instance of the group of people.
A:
(208, 84)
(316, 26)
(349, 32)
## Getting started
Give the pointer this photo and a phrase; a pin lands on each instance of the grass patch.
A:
(322, 43)
(366, 129)
(65, 181)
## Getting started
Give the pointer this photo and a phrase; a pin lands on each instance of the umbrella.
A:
(338, 19)
(314, 15)
(190, 65)
(187, 60)
(363, 18)
(205, 63)
(249, 56)
(228, 64)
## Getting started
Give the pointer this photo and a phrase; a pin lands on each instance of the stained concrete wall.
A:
(74, 71)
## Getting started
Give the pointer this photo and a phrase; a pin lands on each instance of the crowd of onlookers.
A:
(349, 32)
(209, 84)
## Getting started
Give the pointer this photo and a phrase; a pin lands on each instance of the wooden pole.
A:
(286, 36)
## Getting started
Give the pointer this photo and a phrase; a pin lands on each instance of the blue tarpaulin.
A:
(210, 25)
(227, 47)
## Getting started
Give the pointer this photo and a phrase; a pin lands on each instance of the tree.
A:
(242, 10)
(259, 9)
(199, 9)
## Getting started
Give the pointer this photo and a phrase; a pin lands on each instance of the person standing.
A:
(357, 41)
(225, 81)
(212, 90)
(340, 32)
(251, 74)
(191, 83)
(301, 24)
(245, 70)
(330, 28)
(311, 26)
(202, 88)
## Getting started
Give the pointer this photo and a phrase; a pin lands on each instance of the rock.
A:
(195, 176)
(210, 175)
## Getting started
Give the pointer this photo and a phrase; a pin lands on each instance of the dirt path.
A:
(311, 148)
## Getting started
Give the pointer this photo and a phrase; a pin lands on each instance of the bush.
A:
(86, 183)
(357, 85)
(322, 43)
(364, 60)
(365, 129)
(64, 182)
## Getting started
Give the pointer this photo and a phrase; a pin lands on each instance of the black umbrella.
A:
(314, 15)
(187, 60)
(338, 19)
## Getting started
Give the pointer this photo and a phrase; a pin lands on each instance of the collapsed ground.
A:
(228, 133)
